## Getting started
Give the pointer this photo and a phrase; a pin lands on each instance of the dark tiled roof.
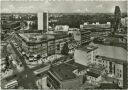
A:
(109, 86)
(3, 51)
(112, 59)
(90, 73)
(87, 48)
(80, 67)
(63, 72)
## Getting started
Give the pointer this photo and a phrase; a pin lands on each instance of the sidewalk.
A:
(43, 60)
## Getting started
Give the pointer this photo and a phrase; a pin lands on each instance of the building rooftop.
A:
(109, 86)
(112, 59)
(95, 70)
(80, 67)
(96, 26)
(112, 52)
(88, 48)
(3, 51)
(34, 37)
(63, 71)
(90, 73)
(39, 38)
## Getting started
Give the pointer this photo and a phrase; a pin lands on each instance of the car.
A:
(23, 53)
(31, 59)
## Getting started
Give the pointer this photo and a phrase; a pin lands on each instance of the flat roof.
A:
(35, 38)
(108, 86)
(88, 48)
(80, 67)
(63, 71)
(118, 61)
(112, 52)
(97, 26)
(90, 73)
(3, 51)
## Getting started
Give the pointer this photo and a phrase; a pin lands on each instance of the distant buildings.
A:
(75, 33)
(85, 36)
(43, 21)
(117, 18)
(61, 28)
(96, 25)
(124, 21)
(97, 30)
(89, 31)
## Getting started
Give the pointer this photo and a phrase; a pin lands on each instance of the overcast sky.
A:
(62, 6)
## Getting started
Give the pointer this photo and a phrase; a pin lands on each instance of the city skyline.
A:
(64, 45)
(62, 6)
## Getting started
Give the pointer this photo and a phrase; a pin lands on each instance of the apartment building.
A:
(116, 67)
(85, 54)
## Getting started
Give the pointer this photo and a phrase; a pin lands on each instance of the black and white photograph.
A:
(63, 44)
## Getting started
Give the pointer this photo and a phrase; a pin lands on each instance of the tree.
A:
(7, 62)
(65, 49)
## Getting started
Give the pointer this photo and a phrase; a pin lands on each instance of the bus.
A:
(12, 84)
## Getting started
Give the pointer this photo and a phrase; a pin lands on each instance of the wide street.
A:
(26, 78)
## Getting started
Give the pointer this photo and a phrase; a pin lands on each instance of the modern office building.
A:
(43, 21)
(40, 21)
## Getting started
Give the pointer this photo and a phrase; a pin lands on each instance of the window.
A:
(58, 47)
(120, 71)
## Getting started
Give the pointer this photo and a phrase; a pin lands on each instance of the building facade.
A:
(115, 67)
(85, 36)
(62, 77)
(85, 54)
(41, 44)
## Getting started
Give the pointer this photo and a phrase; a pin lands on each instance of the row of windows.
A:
(119, 70)
(119, 75)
